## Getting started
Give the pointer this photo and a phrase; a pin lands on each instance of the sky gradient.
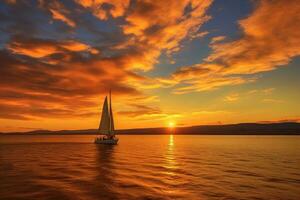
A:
(188, 62)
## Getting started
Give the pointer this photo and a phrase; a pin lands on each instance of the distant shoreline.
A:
(287, 128)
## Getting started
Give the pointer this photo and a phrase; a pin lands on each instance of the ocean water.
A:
(150, 167)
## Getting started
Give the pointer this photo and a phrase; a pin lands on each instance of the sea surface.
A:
(150, 167)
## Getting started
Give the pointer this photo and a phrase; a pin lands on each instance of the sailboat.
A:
(106, 126)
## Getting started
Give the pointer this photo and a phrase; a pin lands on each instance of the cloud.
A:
(202, 77)
(140, 110)
(59, 16)
(103, 9)
(33, 48)
(269, 100)
(36, 111)
(72, 45)
(142, 99)
(27, 83)
(59, 12)
(265, 91)
(232, 97)
(163, 117)
(270, 38)
(259, 92)
(164, 24)
(193, 72)
(211, 112)
(38, 48)
(211, 83)
(153, 28)
(217, 39)
(199, 35)
(268, 91)
(52, 70)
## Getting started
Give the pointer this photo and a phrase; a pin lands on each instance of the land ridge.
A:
(286, 128)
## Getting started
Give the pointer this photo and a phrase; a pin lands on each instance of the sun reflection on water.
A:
(171, 141)
(170, 164)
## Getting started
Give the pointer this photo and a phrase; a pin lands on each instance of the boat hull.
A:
(112, 141)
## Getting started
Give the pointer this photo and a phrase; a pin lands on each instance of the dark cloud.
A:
(58, 55)
(34, 84)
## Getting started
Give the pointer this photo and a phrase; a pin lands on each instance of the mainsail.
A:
(105, 119)
(107, 122)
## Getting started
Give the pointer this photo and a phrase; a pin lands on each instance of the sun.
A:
(171, 124)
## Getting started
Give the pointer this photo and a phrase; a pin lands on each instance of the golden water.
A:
(150, 167)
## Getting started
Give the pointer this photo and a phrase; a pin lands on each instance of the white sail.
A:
(104, 126)
(107, 124)
(107, 121)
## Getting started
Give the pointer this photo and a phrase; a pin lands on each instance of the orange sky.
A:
(187, 62)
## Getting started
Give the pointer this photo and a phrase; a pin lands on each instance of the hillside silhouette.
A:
(287, 128)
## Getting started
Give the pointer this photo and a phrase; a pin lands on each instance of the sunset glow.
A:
(168, 63)
(149, 99)
(171, 124)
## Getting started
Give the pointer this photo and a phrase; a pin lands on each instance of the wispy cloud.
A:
(217, 39)
(232, 97)
(266, 43)
(211, 112)
(58, 11)
(268, 91)
(269, 100)
(264, 38)
(139, 110)
(38, 48)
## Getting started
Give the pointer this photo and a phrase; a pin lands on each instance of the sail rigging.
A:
(112, 125)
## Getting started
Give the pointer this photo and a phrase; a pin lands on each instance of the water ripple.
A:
(163, 167)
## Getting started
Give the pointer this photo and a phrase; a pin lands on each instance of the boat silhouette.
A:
(106, 126)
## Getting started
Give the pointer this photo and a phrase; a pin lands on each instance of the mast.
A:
(112, 125)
